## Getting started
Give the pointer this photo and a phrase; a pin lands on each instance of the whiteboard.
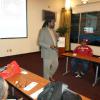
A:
(13, 23)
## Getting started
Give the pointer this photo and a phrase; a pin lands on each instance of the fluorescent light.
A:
(84, 1)
(67, 4)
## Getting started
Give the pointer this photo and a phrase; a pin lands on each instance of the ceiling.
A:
(78, 2)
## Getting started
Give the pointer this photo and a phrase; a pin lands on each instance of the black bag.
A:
(52, 91)
(70, 95)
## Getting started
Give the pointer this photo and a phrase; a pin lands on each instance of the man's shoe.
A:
(77, 75)
(51, 79)
(82, 74)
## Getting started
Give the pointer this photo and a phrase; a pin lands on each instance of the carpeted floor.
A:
(82, 86)
(33, 63)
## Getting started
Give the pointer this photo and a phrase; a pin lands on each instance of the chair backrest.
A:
(52, 91)
(70, 95)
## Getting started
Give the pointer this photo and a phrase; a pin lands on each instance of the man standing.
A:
(48, 45)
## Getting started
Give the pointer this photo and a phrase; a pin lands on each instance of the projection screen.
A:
(13, 19)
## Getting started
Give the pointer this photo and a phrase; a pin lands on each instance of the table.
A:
(91, 59)
(30, 77)
(25, 79)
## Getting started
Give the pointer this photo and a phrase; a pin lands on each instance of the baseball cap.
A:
(85, 40)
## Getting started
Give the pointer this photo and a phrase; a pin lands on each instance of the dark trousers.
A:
(75, 62)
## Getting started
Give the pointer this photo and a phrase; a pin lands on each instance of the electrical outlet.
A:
(10, 50)
(7, 50)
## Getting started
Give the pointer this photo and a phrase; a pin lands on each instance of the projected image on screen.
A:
(13, 19)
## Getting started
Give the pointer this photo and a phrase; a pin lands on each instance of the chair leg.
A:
(96, 76)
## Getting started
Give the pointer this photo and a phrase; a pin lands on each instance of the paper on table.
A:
(24, 72)
(61, 42)
(35, 95)
(30, 86)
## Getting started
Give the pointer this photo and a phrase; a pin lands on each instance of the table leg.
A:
(96, 76)
(66, 72)
(12, 90)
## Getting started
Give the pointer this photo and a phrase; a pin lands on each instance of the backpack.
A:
(52, 91)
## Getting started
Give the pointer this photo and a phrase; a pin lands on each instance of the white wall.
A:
(34, 10)
(92, 5)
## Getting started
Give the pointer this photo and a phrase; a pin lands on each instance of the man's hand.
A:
(53, 47)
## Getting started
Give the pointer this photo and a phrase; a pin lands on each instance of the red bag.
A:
(11, 70)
